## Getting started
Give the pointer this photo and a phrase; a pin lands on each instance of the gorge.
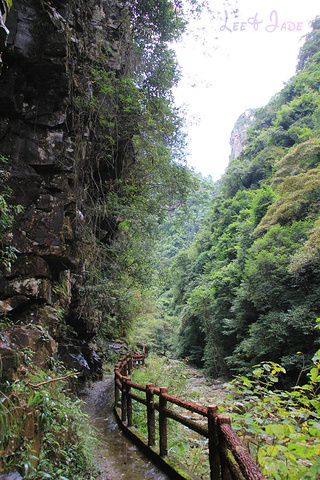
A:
(92, 161)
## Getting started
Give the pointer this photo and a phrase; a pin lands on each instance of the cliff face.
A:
(48, 136)
(239, 133)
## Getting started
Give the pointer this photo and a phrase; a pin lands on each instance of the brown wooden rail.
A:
(229, 459)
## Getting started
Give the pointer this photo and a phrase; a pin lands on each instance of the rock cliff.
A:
(50, 139)
(239, 133)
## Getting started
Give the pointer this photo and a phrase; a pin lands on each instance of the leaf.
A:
(279, 430)
(246, 381)
(314, 430)
(35, 400)
(314, 374)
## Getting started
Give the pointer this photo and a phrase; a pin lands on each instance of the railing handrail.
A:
(222, 438)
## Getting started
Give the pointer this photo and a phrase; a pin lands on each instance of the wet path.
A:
(116, 457)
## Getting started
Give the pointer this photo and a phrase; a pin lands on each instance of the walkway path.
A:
(116, 457)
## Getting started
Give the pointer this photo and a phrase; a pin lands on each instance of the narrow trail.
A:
(116, 456)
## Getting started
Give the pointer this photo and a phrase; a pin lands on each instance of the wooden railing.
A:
(229, 459)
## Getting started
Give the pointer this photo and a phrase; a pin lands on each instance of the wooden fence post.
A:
(125, 365)
(151, 419)
(163, 423)
(116, 387)
(123, 401)
(128, 359)
(129, 403)
(223, 447)
(214, 457)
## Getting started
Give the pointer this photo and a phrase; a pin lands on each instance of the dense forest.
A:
(247, 288)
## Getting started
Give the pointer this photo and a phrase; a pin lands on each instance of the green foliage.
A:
(153, 22)
(163, 372)
(308, 255)
(281, 428)
(60, 442)
(299, 159)
(246, 290)
(301, 106)
(157, 324)
(261, 202)
(138, 174)
(298, 199)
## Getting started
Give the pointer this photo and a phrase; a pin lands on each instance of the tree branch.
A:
(53, 380)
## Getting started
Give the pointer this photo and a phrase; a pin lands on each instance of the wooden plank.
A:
(187, 422)
(138, 399)
(191, 406)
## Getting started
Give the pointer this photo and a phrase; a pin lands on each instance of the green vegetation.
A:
(280, 428)
(154, 325)
(137, 173)
(247, 288)
(190, 448)
(44, 433)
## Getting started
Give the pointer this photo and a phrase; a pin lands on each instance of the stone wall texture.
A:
(47, 140)
(239, 133)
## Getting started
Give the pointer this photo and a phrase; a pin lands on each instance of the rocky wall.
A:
(239, 133)
(46, 139)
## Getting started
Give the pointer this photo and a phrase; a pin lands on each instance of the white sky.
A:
(224, 73)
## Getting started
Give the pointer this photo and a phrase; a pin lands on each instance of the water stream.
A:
(116, 456)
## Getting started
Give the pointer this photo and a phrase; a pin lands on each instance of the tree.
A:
(138, 172)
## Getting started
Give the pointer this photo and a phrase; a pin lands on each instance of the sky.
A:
(235, 58)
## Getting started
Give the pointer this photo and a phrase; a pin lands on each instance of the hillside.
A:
(247, 288)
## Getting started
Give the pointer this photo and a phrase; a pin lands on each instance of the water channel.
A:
(116, 456)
